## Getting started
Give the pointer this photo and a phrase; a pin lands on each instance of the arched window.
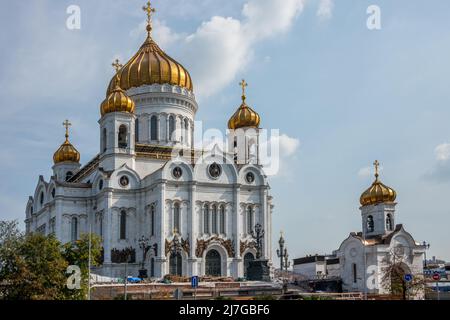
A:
(389, 224)
(205, 219)
(69, 175)
(31, 210)
(355, 273)
(250, 220)
(152, 220)
(214, 219)
(222, 220)
(104, 140)
(176, 217)
(248, 258)
(41, 198)
(171, 128)
(100, 225)
(53, 193)
(370, 224)
(74, 229)
(123, 225)
(136, 130)
(122, 137)
(154, 128)
(186, 131)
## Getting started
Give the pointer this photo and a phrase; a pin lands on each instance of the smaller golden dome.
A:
(244, 116)
(66, 152)
(117, 100)
(377, 192)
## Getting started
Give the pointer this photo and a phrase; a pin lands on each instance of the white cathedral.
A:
(148, 180)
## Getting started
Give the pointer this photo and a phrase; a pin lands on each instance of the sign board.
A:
(436, 277)
(194, 282)
(408, 277)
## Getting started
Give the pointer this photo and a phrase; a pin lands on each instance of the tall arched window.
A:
(370, 224)
(74, 229)
(176, 217)
(104, 140)
(41, 198)
(100, 225)
(355, 273)
(152, 220)
(136, 130)
(205, 219)
(214, 219)
(69, 175)
(171, 128)
(123, 137)
(222, 220)
(389, 224)
(154, 128)
(152, 267)
(186, 131)
(123, 225)
(250, 220)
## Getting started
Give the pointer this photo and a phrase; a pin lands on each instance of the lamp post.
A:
(284, 260)
(144, 245)
(258, 235)
(426, 245)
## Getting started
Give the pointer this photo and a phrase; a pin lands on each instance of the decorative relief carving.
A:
(120, 256)
(244, 245)
(185, 245)
(202, 245)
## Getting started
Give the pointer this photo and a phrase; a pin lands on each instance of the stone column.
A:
(161, 221)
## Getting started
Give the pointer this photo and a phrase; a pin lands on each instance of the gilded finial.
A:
(243, 85)
(149, 10)
(67, 124)
(377, 165)
(117, 66)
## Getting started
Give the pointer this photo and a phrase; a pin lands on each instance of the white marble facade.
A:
(138, 185)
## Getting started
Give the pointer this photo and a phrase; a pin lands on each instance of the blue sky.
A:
(341, 94)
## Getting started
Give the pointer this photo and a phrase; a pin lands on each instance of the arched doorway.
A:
(175, 264)
(247, 258)
(213, 264)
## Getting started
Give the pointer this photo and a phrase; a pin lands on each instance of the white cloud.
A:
(222, 47)
(288, 145)
(442, 152)
(325, 10)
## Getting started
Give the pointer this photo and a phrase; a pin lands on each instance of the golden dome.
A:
(151, 65)
(117, 100)
(66, 152)
(244, 116)
(378, 192)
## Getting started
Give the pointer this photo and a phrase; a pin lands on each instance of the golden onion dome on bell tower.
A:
(377, 192)
(117, 100)
(244, 116)
(151, 65)
(66, 152)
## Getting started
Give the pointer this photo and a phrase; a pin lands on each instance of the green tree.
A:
(77, 253)
(32, 266)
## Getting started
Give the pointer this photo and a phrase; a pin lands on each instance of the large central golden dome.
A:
(151, 65)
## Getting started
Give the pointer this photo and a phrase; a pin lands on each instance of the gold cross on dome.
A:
(67, 124)
(149, 10)
(377, 165)
(117, 65)
(243, 85)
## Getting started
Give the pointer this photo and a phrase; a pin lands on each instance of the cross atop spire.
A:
(149, 10)
(117, 65)
(67, 124)
(243, 85)
(377, 166)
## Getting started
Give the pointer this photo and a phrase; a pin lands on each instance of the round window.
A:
(124, 181)
(177, 172)
(215, 170)
(250, 177)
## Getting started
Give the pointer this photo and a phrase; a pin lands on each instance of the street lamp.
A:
(426, 245)
(258, 235)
